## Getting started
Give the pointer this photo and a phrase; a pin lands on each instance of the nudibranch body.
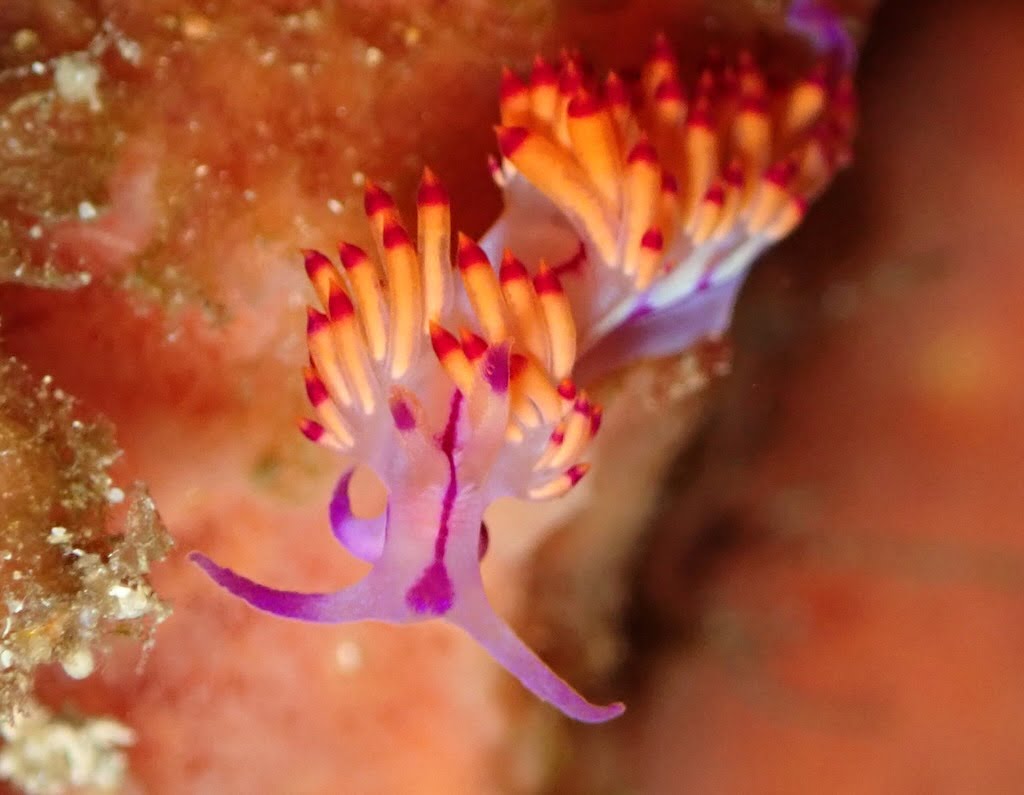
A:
(489, 413)
(655, 198)
(648, 203)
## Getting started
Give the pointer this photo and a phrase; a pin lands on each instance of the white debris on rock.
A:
(66, 601)
(76, 77)
(132, 601)
(130, 50)
(79, 663)
(58, 535)
(45, 754)
(87, 211)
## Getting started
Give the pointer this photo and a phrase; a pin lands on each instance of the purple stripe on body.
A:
(433, 591)
(448, 441)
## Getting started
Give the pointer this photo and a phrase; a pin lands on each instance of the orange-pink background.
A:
(832, 602)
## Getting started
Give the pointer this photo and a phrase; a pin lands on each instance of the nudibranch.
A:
(489, 412)
(652, 198)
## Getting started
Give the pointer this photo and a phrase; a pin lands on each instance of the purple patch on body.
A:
(433, 592)
(403, 416)
(496, 368)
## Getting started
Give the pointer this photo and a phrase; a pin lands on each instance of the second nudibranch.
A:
(653, 198)
(448, 421)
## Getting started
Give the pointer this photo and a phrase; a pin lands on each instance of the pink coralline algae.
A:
(655, 198)
(648, 202)
(486, 414)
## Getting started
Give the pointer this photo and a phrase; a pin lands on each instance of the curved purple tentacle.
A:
(364, 538)
(289, 604)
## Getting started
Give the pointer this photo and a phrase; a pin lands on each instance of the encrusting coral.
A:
(74, 572)
(48, 754)
(654, 199)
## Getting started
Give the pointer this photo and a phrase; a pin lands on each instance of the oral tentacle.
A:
(358, 602)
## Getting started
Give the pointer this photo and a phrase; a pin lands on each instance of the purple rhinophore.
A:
(364, 538)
